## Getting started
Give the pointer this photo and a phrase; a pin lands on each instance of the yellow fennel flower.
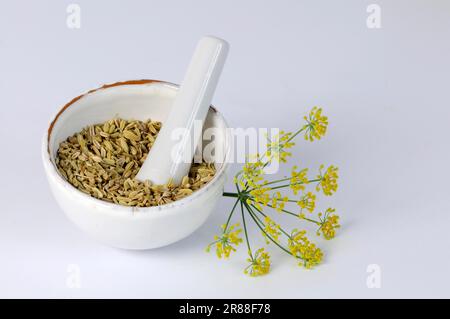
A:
(259, 196)
(278, 202)
(252, 174)
(227, 242)
(298, 179)
(329, 224)
(283, 155)
(276, 149)
(259, 265)
(308, 202)
(316, 126)
(271, 229)
(256, 191)
(328, 181)
(301, 248)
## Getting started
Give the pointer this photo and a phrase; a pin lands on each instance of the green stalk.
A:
(281, 147)
(296, 215)
(278, 181)
(282, 230)
(311, 220)
(245, 231)
(299, 183)
(228, 194)
(257, 221)
(229, 216)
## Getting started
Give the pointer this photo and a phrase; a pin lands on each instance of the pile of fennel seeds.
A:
(103, 159)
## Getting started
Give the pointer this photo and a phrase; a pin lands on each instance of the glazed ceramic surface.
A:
(189, 110)
(121, 226)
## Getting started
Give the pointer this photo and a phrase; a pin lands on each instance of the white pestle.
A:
(170, 157)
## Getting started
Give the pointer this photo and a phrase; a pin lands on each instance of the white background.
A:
(386, 92)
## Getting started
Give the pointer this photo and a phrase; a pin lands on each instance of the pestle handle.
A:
(170, 156)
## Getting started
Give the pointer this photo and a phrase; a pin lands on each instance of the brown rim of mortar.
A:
(105, 86)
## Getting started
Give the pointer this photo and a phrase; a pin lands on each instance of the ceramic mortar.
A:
(122, 226)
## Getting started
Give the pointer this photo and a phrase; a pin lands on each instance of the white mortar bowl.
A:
(121, 226)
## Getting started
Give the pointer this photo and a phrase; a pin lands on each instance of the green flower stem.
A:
(245, 231)
(228, 194)
(311, 220)
(296, 133)
(281, 147)
(284, 249)
(278, 181)
(229, 216)
(286, 179)
(257, 222)
(282, 230)
(293, 214)
(299, 183)
(279, 150)
(291, 138)
(287, 185)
